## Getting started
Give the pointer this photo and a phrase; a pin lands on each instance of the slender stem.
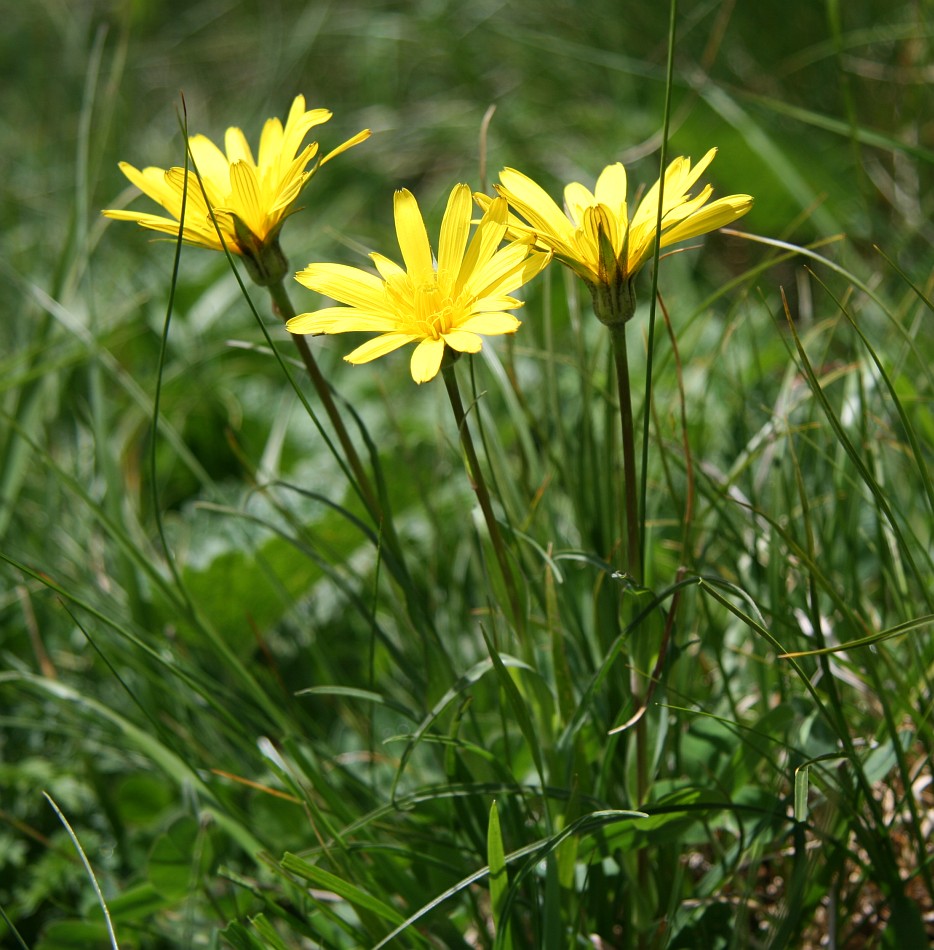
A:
(630, 487)
(284, 306)
(475, 474)
(376, 504)
(650, 346)
(633, 533)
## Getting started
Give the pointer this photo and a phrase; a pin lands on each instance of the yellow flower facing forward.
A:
(451, 303)
(596, 237)
(251, 197)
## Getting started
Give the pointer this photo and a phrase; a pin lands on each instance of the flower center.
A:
(424, 310)
(435, 313)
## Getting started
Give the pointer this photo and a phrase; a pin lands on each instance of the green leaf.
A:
(178, 858)
(136, 904)
(801, 793)
(499, 878)
(906, 926)
(74, 935)
(643, 641)
(257, 584)
(566, 856)
(271, 939)
(519, 707)
(142, 798)
(240, 938)
(331, 882)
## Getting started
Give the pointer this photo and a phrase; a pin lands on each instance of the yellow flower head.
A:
(251, 199)
(596, 237)
(450, 303)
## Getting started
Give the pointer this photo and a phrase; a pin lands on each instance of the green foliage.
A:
(296, 724)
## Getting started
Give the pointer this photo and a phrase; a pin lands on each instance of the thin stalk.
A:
(381, 515)
(633, 563)
(478, 483)
(634, 532)
(641, 738)
(650, 344)
(284, 308)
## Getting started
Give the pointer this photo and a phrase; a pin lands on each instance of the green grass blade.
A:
(90, 871)
(499, 878)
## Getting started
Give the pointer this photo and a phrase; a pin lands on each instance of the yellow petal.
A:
(611, 187)
(687, 207)
(413, 238)
(270, 143)
(426, 360)
(715, 215)
(349, 285)
(280, 192)
(463, 342)
(361, 136)
(196, 203)
(380, 346)
(298, 124)
(493, 304)
(487, 238)
(491, 324)
(694, 173)
(601, 230)
(244, 199)
(386, 267)
(153, 221)
(576, 199)
(516, 228)
(340, 320)
(151, 182)
(237, 147)
(211, 163)
(504, 272)
(534, 204)
(455, 229)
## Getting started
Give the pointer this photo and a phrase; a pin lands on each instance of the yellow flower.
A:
(448, 304)
(251, 199)
(596, 237)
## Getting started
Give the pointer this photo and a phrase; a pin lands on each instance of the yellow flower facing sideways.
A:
(596, 236)
(449, 303)
(251, 197)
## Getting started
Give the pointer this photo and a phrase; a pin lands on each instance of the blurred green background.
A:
(775, 85)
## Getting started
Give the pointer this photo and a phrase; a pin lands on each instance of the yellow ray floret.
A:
(251, 197)
(453, 302)
(596, 237)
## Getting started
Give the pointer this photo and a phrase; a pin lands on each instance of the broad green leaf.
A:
(74, 935)
(142, 798)
(178, 858)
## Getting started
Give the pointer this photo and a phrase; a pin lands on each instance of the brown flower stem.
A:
(475, 474)
(633, 562)
(285, 309)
